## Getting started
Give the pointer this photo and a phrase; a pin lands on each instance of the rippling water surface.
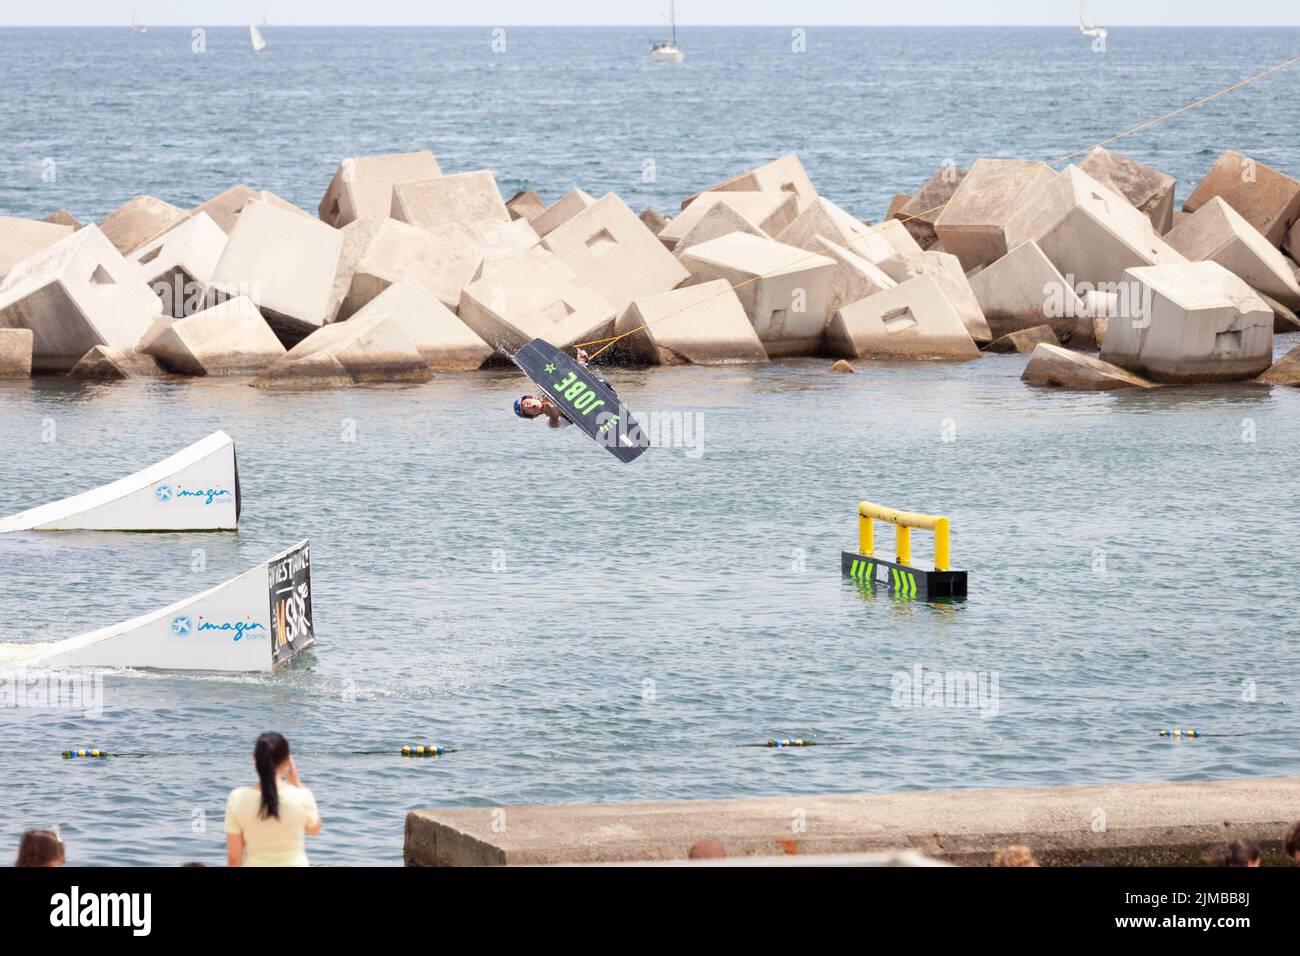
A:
(586, 631)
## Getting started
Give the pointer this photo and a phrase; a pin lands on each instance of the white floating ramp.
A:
(194, 490)
(255, 622)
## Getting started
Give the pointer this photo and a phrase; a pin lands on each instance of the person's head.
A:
(707, 850)
(1014, 856)
(40, 848)
(528, 406)
(1240, 852)
(1292, 843)
(270, 754)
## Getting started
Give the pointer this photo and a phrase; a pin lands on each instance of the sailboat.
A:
(1086, 26)
(667, 51)
(136, 25)
(255, 35)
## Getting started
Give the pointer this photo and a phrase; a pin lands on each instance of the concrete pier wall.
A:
(1149, 824)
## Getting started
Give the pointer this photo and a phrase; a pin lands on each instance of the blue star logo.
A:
(182, 626)
(163, 492)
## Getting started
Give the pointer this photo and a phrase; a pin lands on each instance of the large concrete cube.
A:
(973, 226)
(533, 295)
(769, 211)
(1267, 199)
(362, 187)
(105, 363)
(822, 218)
(398, 252)
(449, 200)
(362, 350)
(784, 174)
(22, 238)
(784, 289)
(945, 269)
(78, 293)
(611, 250)
(228, 339)
(854, 277)
(721, 219)
(444, 342)
(1217, 232)
(285, 263)
(561, 211)
(701, 325)
(913, 320)
(178, 265)
(919, 212)
(138, 221)
(1149, 190)
(1051, 366)
(15, 353)
(356, 238)
(525, 204)
(1192, 322)
(1090, 233)
(1023, 290)
(224, 208)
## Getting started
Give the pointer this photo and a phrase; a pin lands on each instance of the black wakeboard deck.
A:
(584, 399)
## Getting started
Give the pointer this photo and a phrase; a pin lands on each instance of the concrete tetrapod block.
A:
(1022, 290)
(228, 339)
(370, 349)
(701, 325)
(1024, 340)
(973, 226)
(1149, 190)
(444, 342)
(533, 295)
(784, 289)
(449, 200)
(1090, 233)
(613, 252)
(525, 204)
(945, 269)
(16, 353)
(1267, 199)
(822, 218)
(22, 238)
(285, 263)
(140, 220)
(920, 212)
(854, 278)
(1195, 322)
(1285, 371)
(784, 174)
(1054, 367)
(107, 364)
(913, 320)
(75, 295)
(562, 210)
(178, 265)
(1218, 233)
(362, 187)
(769, 211)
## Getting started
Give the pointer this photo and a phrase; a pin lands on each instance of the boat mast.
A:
(672, 18)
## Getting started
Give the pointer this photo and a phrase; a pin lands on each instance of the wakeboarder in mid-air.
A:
(533, 406)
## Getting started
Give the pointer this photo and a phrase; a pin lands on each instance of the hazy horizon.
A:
(691, 13)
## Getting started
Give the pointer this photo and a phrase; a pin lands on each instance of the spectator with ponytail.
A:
(266, 825)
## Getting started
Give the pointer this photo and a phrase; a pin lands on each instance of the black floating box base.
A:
(901, 580)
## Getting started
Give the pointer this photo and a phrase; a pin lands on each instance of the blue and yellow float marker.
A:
(899, 576)
(1181, 733)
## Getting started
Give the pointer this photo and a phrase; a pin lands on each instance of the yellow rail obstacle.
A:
(899, 575)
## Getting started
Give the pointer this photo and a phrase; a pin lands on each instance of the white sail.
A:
(196, 489)
(1086, 26)
(135, 20)
(255, 622)
(255, 35)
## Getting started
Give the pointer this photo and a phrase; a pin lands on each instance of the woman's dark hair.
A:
(1242, 852)
(270, 751)
(39, 848)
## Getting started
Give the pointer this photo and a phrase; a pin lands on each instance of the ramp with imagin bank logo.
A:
(194, 490)
(255, 622)
(584, 399)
